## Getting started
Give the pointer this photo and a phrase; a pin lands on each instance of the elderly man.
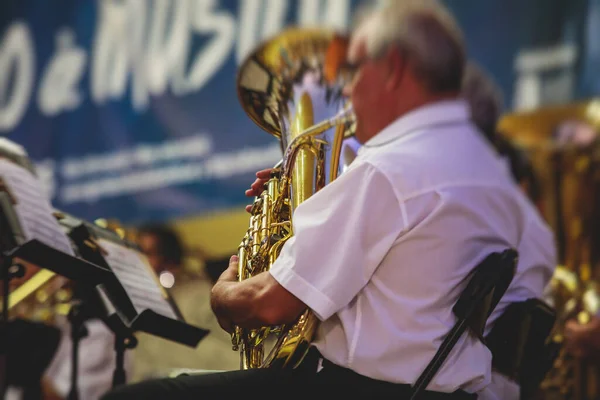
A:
(381, 254)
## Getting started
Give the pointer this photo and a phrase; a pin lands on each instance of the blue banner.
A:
(130, 111)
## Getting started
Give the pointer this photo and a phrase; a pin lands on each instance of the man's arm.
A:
(341, 234)
(253, 303)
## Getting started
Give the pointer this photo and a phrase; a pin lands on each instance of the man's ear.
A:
(396, 64)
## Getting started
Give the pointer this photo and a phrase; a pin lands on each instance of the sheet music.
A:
(137, 279)
(33, 208)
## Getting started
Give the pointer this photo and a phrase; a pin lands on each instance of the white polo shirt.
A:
(382, 253)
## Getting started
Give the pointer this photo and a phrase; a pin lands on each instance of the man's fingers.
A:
(256, 188)
(258, 184)
(231, 272)
(264, 174)
(252, 193)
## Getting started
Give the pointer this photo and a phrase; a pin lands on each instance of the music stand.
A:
(73, 268)
(30, 232)
(24, 215)
(7, 273)
(134, 300)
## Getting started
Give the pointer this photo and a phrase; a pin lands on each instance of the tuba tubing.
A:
(283, 88)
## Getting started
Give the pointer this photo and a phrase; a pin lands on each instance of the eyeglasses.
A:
(347, 69)
(354, 66)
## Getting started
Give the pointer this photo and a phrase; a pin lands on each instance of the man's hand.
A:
(228, 276)
(583, 340)
(257, 187)
(254, 302)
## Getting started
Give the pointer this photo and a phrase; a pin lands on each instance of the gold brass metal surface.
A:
(562, 143)
(284, 90)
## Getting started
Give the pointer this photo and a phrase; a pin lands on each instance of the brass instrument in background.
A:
(285, 86)
(575, 299)
(562, 144)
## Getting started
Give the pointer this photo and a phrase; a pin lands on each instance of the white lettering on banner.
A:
(168, 44)
(255, 27)
(117, 52)
(135, 31)
(191, 147)
(221, 25)
(58, 87)
(45, 171)
(148, 47)
(334, 13)
(530, 84)
(217, 166)
(261, 19)
(17, 64)
(110, 60)
(121, 49)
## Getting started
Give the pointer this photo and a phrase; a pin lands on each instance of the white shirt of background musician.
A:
(97, 361)
(382, 253)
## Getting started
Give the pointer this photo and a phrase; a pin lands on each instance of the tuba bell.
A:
(284, 86)
(563, 145)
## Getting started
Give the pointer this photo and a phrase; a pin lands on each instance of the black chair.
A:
(488, 283)
(521, 346)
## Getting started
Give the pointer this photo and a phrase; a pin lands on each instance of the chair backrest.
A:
(488, 283)
(520, 345)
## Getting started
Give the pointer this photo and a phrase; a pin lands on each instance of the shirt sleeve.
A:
(341, 234)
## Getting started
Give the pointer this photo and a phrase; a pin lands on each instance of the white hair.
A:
(8, 146)
(424, 29)
(363, 10)
(484, 97)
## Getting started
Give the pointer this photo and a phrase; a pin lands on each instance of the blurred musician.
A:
(581, 340)
(156, 357)
(96, 361)
(485, 99)
(537, 250)
(381, 254)
(164, 250)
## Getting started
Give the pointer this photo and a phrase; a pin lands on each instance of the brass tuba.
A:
(565, 151)
(284, 86)
(571, 378)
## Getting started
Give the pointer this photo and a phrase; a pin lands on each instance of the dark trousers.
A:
(332, 380)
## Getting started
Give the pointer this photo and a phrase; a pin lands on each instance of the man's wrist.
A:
(215, 296)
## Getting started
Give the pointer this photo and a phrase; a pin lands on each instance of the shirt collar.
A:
(445, 112)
